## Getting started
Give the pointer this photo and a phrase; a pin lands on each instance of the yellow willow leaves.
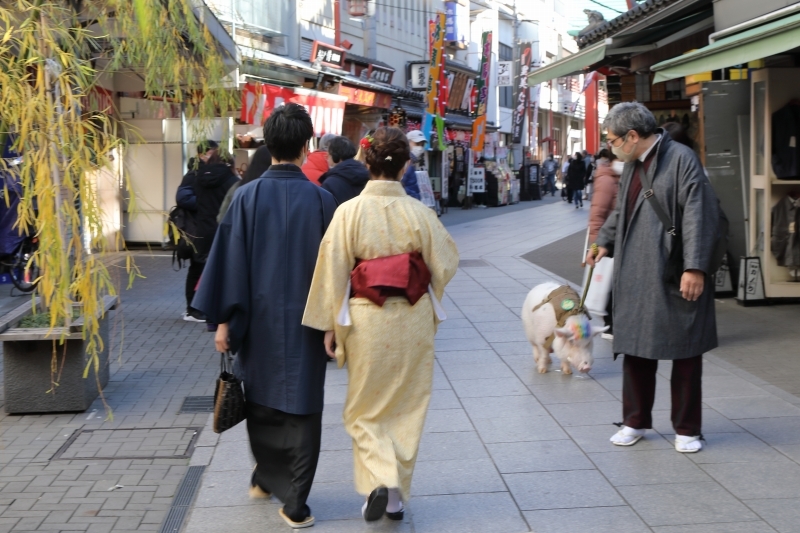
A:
(51, 59)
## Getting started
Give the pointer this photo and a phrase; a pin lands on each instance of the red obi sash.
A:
(397, 275)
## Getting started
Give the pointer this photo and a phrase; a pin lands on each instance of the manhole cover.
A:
(197, 404)
(156, 443)
(467, 263)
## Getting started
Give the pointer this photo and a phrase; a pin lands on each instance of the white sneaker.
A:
(607, 336)
(190, 318)
(627, 436)
(687, 444)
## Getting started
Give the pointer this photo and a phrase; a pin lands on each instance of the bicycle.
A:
(21, 265)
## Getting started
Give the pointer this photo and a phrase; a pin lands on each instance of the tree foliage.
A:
(52, 54)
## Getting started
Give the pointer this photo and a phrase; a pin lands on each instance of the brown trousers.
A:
(639, 392)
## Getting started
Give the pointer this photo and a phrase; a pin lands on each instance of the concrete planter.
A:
(27, 358)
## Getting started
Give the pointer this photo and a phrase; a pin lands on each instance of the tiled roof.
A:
(640, 11)
(366, 61)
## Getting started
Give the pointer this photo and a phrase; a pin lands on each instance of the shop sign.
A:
(523, 94)
(327, 54)
(479, 126)
(326, 110)
(505, 73)
(365, 97)
(419, 76)
(456, 21)
(380, 74)
(476, 181)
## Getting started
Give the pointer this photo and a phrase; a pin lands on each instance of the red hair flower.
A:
(366, 142)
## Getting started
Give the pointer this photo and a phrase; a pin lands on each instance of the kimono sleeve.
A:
(441, 255)
(335, 261)
(224, 291)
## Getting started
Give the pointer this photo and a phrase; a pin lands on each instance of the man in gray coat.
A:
(654, 318)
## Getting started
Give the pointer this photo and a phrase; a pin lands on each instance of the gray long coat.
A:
(651, 318)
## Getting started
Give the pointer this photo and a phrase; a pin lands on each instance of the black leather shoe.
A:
(396, 516)
(376, 504)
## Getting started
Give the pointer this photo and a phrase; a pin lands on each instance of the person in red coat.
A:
(317, 162)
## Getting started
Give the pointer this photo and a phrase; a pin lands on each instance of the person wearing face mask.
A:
(416, 139)
(576, 175)
(659, 316)
(255, 286)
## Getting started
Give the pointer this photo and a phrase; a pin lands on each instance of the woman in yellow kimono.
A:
(382, 251)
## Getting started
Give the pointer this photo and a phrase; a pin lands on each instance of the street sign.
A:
(476, 181)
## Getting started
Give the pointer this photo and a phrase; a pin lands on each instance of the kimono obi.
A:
(377, 279)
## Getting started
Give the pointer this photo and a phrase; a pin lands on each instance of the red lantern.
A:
(357, 8)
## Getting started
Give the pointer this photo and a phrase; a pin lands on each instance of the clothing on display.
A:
(785, 241)
(785, 148)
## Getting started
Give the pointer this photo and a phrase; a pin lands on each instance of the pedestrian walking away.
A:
(549, 169)
(385, 260)
(202, 192)
(346, 177)
(255, 287)
(657, 317)
(576, 174)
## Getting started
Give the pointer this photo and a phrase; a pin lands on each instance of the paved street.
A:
(505, 449)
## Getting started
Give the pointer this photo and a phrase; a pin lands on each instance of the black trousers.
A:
(639, 392)
(192, 277)
(286, 448)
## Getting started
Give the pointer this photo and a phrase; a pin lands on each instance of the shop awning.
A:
(573, 64)
(757, 43)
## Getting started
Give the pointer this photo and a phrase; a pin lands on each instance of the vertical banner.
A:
(435, 74)
(482, 87)
(523, 93)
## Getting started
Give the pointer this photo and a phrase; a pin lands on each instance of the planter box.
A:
(27, 358)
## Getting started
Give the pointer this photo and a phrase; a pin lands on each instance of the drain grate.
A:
(472, 263)
(197, 404)
(129, 443)
(184, 497)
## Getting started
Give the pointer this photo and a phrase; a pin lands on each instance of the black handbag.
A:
(229, 404)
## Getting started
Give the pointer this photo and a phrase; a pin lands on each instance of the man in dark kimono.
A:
(655, 318)
(255, 286)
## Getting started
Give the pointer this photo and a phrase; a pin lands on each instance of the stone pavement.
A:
(509, 450)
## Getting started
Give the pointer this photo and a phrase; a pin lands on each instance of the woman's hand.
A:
(330, 343)
(221, 338)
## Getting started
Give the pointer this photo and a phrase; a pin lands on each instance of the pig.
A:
(572, 343)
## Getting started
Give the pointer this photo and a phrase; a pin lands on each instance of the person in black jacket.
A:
(346, 177)
(576, 174)
(201, 192)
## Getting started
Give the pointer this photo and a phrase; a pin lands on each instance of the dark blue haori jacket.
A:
(257, 280)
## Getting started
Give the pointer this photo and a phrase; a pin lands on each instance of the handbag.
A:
(229, 401)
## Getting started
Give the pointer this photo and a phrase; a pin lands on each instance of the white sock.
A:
(626, 434)
(688, 443)
(395, 503)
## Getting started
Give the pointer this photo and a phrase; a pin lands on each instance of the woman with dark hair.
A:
(382, 269)
(260, 163)
(678, 133)
(575, 179)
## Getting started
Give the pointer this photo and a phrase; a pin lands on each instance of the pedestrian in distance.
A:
(588, 159)
(604, 200)
(316, 163)
(382, 269)
(255, 287)
(202, 192)
(549, 169)
(576, 174)
(346, 177)
(661, 311)
(566, 192)
(417, 141)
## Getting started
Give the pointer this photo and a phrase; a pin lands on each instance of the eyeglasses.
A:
(613, 142)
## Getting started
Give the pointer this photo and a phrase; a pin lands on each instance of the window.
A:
(506, 93)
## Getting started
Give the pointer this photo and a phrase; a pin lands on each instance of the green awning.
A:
(756, 43)
(573, 64)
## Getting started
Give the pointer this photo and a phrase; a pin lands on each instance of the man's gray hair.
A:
(628, 116)
(326, 140)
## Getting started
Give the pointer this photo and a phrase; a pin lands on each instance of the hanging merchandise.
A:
(785, 146)
(482, 90)
(398, 117)
(785, 241)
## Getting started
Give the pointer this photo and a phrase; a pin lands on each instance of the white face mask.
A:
(417, 151)
(617, 166)
(620, 152)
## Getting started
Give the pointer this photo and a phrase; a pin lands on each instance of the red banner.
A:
(326, 110)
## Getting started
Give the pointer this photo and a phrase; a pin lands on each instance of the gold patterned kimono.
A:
(389, 350)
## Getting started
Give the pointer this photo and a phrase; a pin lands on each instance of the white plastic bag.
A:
(600, 289)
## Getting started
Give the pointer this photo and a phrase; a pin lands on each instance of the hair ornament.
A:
(388, 158)
(366, 142)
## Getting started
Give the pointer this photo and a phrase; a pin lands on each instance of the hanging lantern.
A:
(357, 8)
(397, 117)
